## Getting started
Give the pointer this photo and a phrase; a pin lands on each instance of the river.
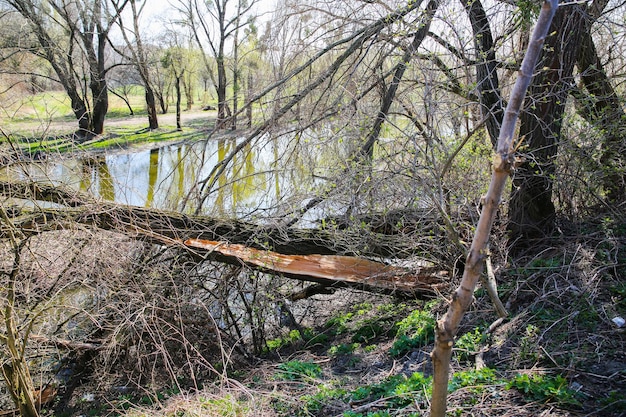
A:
(263, 177)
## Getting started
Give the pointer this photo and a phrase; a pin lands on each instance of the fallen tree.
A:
(72, 206)
(331, 258)
(331, 270)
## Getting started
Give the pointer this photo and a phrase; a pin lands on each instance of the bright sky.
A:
(156, 11)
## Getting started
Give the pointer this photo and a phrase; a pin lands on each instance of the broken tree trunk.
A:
(312, 255)
(73, 206)
(331, 270)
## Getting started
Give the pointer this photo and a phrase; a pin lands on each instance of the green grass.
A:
(56, 106)
(28, 120)
(115, 138)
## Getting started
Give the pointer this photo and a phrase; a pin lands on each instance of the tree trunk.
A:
(162, 103)
(486, 71)
(98, 83)
(153, 120)
(233, 125)
(503, 162)
(604, 111)
(100, 105)
(233, 121)
(531, 211)
(330, 270)
(221, 93)
(178, 100)
(188, 89)
(85, 209)
(306, 255)
(248, 99)
(80, 112)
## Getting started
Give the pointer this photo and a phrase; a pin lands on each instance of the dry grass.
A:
(168, 350)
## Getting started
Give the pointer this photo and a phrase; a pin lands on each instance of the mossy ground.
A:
(43, 125)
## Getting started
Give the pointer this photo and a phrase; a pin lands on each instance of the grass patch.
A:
(115, 138)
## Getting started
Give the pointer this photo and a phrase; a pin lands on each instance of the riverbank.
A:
(169, 332)
(560, 352)
(27, 140)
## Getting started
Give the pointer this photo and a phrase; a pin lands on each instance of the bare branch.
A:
(504, 160)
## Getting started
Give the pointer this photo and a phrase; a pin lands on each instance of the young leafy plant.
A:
(545, 388)
(473, 378)
(399, 390)
(297, 370)
(469, 343)
(417, 330)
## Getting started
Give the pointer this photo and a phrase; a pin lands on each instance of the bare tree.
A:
(138, 55)
(601, 106)
(175, 62)
(15, 335)
(72, 36)
(532, 211)
(216, 23)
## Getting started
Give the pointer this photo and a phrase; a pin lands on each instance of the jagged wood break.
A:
(331, 270)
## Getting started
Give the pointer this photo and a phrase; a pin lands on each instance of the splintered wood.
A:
(332, 270)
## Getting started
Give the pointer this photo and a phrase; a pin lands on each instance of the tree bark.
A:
(504, 161)
(153, 120)
(306, 255)
(531, 211)
(178, 100)
(330, 270)
(221, 92)
(603, 110)
(486, 71)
